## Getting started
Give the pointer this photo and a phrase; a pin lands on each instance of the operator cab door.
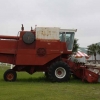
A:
(67, 37)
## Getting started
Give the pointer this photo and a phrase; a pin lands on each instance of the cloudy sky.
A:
(83, 15)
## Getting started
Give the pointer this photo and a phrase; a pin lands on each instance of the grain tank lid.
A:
(47, 27)
(48, 33)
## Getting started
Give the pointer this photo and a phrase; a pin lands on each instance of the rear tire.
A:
(10, 75)
(59, 72)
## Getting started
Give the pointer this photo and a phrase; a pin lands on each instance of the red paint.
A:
(13, 50)
(82, 72)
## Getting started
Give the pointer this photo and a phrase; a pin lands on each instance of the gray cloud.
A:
(79, 14)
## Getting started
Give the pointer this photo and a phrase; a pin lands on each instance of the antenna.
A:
(31, 29)
(22, 28)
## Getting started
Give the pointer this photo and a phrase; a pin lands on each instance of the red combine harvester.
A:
(45, 49)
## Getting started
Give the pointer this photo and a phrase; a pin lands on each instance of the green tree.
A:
(75, 46)
(93, 49)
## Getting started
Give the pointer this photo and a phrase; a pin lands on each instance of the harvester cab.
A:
(68, 37)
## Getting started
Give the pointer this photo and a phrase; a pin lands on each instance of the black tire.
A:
(59, 72)
(10, 75)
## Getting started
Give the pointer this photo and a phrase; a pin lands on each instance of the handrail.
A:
(9, 37)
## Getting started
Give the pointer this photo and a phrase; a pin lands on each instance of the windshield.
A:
(67, 37)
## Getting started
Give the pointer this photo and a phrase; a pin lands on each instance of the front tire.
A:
(10, 75)
(59, 72)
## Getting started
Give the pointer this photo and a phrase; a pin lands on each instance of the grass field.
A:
(36, 87)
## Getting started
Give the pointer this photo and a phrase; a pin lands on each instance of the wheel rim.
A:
(60, 72)
(10, 76)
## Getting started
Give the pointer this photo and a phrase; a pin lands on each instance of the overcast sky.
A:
(83, 15)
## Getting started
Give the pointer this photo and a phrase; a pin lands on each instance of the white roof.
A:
(68, 30)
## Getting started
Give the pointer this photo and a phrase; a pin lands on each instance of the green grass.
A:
(36, 87)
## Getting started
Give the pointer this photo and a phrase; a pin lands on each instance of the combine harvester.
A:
(45, 49)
